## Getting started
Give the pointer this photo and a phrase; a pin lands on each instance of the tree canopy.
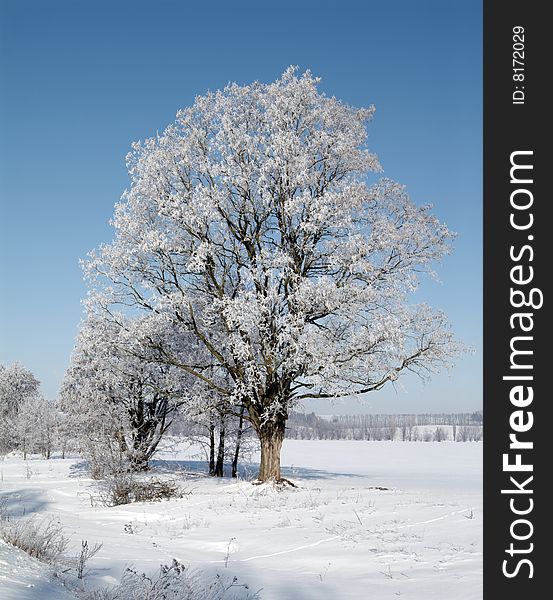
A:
(256, 231)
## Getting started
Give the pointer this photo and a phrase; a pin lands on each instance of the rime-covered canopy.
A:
(17, 385)
(256, 224)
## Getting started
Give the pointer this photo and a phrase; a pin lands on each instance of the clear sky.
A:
(81, 80)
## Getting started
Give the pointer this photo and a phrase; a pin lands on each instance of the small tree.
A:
(18, 386)
(67, 440)
(440, 434)
(121, 404)
(252, 224)
(221, 434)
(34, 427)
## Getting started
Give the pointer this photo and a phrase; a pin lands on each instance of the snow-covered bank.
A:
(24, 578)
(368, 520)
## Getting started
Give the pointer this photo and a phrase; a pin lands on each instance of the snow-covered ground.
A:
(368, 520)
(24, 578)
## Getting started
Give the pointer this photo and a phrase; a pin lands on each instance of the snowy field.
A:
(368, 520)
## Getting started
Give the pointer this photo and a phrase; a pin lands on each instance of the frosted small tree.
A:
(120, 403)
(255, 223)
(35, 426)
(18, 386)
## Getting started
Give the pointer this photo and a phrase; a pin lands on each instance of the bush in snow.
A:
(43, 540)
(87, 552)
(174, 582)
(125, 487)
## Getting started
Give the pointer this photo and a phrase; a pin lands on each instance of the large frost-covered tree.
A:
(255, 223)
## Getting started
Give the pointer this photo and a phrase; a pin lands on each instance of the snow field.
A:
(338, 535)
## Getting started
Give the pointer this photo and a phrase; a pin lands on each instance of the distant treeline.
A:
(462, 427)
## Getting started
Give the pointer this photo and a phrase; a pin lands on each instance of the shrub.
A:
(81, 560)
(43, 539)
(125, 488)
(174, 582)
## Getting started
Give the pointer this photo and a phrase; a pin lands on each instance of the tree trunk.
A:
(219, 465)
(211, 447)
(271, 436)
(139, 462)
(238, 441)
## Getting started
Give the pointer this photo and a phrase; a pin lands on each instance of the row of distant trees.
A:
(461, 427)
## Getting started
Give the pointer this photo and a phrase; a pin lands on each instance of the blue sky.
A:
(81, 80)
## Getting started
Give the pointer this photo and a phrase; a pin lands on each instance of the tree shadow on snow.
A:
(179, 467)
(27, 501)
(307, 473)
(79, 470)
